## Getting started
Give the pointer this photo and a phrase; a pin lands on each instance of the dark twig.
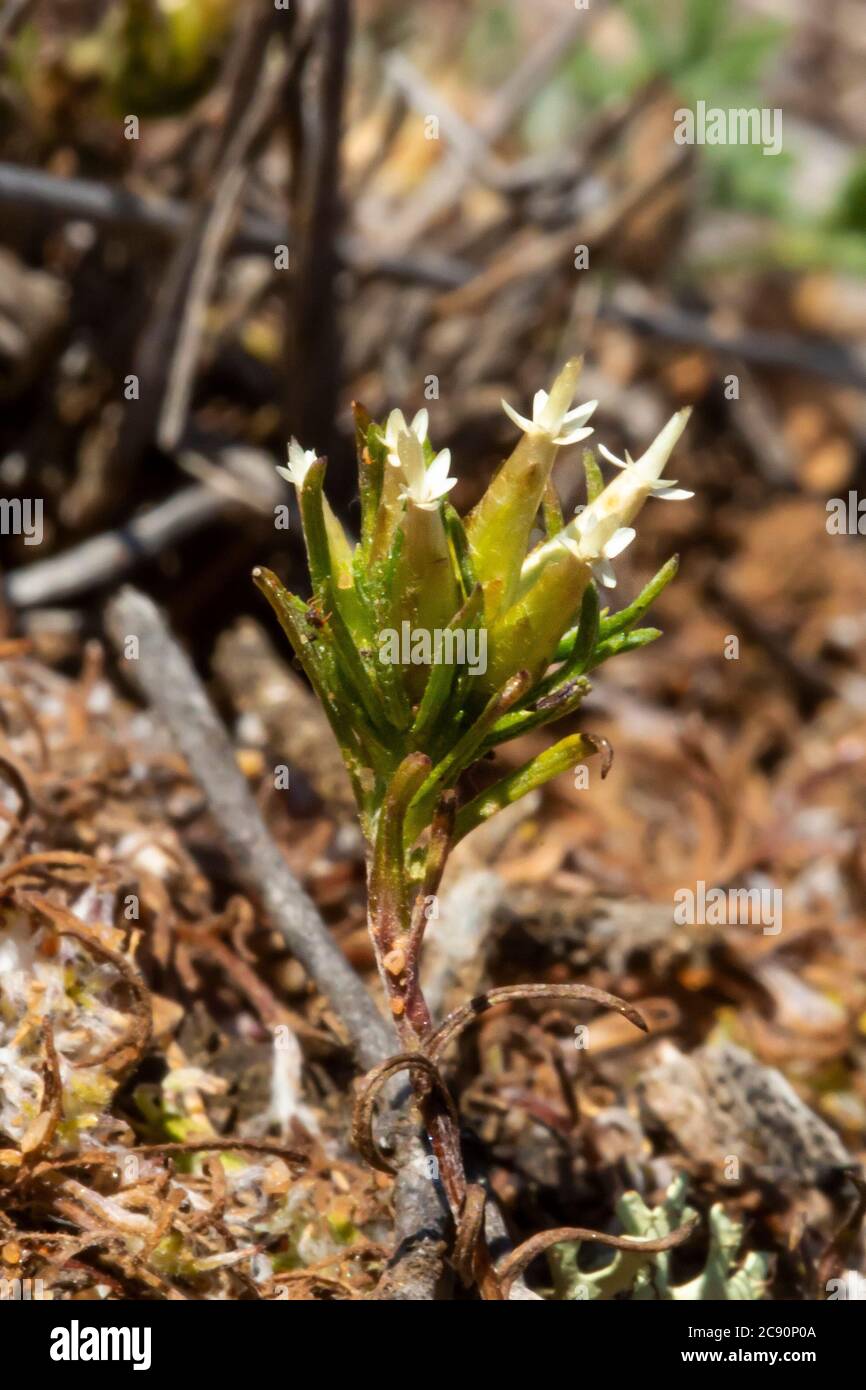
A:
(236, 477)
(460, 1019)
(313, 370)
(212, 242)
(632, 306)
(107, 558)
(165, 220)
(519, 1259)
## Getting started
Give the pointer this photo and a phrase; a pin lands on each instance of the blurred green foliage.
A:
(706, 54)
(153, 57)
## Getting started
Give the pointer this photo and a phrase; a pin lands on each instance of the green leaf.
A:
(624, 642)
(389, 905)
(442, 675)
(311, 499)
(463, 752)
(554, 521)
(563, 700)
(594, 476)
(626, 618)
(292, 616)
(460, 545)
(371, 468)
(585, 638)
(562, 756)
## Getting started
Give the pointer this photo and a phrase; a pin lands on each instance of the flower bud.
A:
(500, 525)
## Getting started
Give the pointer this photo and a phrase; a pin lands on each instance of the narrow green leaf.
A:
(388, 511)
(291, 613)
(594, 476)
(371, 467)
(463, 752)
(460, 544)
(585, 639)
(311, 500)
(624, 642)
(358, 678)
(442, 676)
(389, 906)
(626, 618)
(554, 521)
(562, 756)
(563, 700)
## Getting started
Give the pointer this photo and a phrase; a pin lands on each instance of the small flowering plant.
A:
(436, 638)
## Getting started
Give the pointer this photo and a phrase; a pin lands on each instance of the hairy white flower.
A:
(551, 417)
(396, 425)
(300, 462)
(422, 485)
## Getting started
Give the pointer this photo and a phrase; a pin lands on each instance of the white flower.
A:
(424, 486)
(396, 425)
(649, 467)
(602, 530)
(551, 417)
(300, 462)
(598, 553)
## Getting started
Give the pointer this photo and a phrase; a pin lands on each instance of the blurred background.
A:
(221, 223)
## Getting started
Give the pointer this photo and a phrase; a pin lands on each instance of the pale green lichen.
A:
(635, 1275)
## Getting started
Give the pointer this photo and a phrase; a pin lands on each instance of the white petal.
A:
(420, 424)
(580, 414)
(672, 494)
(438, 470)
(574, 436)
(395, 425)
(519, 420)
(603, 571)
(539, 401)
(651, 465)
(612, 458)
(412, 458)
(568, 543)
(618, 542)
(286, 473)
